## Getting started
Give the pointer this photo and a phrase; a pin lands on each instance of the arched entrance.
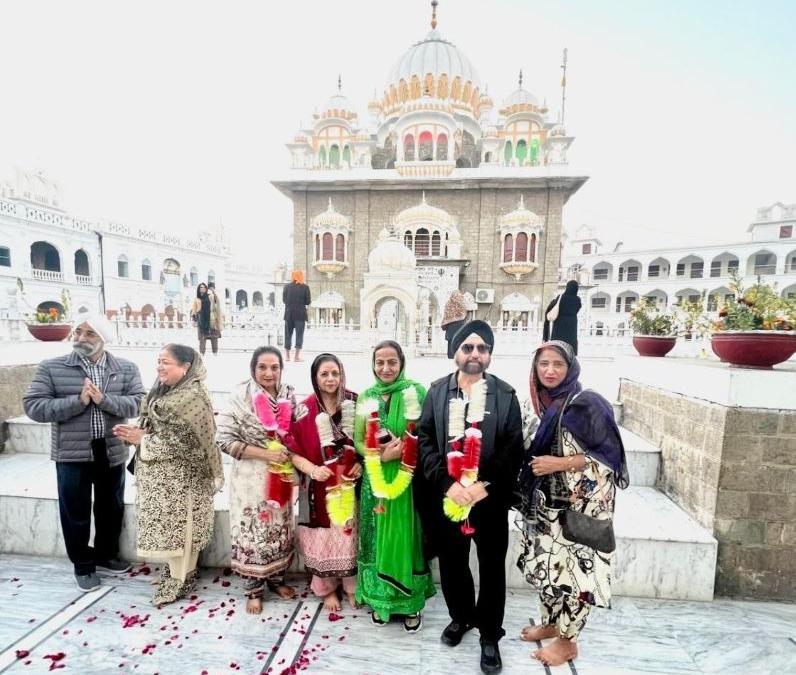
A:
(172, 282)
(391, 320)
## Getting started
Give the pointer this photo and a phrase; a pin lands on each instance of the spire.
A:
(520, 78)
(434, 4)
(339, 84)
(563, 85)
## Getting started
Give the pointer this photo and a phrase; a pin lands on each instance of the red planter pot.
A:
(755, 348)
(49, 332)
(653, 345)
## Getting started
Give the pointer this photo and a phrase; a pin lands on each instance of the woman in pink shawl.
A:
(322, 443)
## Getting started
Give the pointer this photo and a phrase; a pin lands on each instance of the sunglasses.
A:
(482, 348)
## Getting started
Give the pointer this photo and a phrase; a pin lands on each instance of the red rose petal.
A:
(22, 653)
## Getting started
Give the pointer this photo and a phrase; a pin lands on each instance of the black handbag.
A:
(577, 527)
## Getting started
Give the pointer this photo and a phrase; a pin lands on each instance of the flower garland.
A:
(373, 466)
(340, 493)
(465, 452)
(276, 420)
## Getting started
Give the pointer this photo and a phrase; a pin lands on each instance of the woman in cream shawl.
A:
(177, 470)
(262, 531)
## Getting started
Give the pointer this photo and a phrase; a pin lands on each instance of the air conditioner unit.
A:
(485, 295)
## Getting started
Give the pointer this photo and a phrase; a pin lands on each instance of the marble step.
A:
(661, 551)
(25, 435)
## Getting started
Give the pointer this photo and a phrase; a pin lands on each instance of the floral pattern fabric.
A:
(555, 566)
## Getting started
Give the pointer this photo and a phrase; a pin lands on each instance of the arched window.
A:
(194, 276)
(522, 151)
(487, 158)
(347, 155)
(408, 240)
(339, 248)
(334, 157)
(327, 246)
(421, 242)
(44, 256)
(241, 299)
(522, 247)
(532, 250)
(257, 299)
(211, 277)
(535, 152)
(317, 247)
(5, 256)
(121, 266)
(442, 147)
(508, 248)
(81, 263)
(507, 153)
(146, 270)
(322, 156)
(409, 148)
(436, 242)
(425, 147)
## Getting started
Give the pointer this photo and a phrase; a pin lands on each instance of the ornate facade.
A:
(435, 188)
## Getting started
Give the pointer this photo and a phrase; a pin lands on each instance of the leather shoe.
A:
(490, 657)
(454, 632)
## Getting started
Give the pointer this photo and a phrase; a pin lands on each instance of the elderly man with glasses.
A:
(470, 444)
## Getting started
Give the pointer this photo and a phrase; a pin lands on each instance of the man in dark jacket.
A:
(83, 395)
(296, 297)
(500, 426)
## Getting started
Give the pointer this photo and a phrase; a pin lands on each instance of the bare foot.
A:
(254, 606)
(352, 600)
(286, 592)
(536, 633)
(331, 602)
(557, 653)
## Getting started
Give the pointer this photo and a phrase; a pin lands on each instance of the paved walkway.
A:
(45, 624)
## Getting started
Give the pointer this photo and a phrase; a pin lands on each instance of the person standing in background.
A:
(561, 317)
(453, 318)
(296, 297)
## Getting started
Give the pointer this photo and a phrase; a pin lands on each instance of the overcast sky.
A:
(174, 115)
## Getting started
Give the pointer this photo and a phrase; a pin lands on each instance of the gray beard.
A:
(85, 350)
(473, 368)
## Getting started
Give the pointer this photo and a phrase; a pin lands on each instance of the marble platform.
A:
(661, 553)
(44, 615)
(25, 435)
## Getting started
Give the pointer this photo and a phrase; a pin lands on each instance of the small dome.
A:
(390, 255)
(558, 130)
(338, 102)
(330, 219)
(436, 56)
(424, 213)
(521, 97)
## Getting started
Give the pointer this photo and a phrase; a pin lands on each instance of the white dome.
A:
(390, 255)
(519, 97)
(338, 102)
(436, 56)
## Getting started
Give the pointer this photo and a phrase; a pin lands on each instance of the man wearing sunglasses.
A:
(489, 497)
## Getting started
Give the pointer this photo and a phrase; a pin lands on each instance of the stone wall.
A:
(476, 212)
(733, 470)
(14, 381)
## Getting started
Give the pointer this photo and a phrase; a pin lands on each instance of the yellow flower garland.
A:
(341, 504)
(378, 483)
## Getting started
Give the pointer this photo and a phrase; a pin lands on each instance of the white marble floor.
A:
(118, 631)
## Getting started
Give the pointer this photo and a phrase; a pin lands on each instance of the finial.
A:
(339, 83)
(434, 4)
(563, 85)
(331, 208)
(520, 78)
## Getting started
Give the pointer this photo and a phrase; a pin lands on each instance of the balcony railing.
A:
(83, 280)
(47, 275)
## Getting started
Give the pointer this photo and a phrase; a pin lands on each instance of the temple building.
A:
(435, 188)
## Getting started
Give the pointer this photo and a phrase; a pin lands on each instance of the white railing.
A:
(83, 280)
(47, 275)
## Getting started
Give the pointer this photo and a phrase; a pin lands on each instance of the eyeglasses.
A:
(467, 348)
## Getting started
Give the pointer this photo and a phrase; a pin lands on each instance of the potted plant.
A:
(757, 328)
(653, 330)
(49, 325)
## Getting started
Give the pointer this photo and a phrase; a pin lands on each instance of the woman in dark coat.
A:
(565, 326)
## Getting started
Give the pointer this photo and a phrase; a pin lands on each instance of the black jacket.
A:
(296, 298)
(501, 443)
